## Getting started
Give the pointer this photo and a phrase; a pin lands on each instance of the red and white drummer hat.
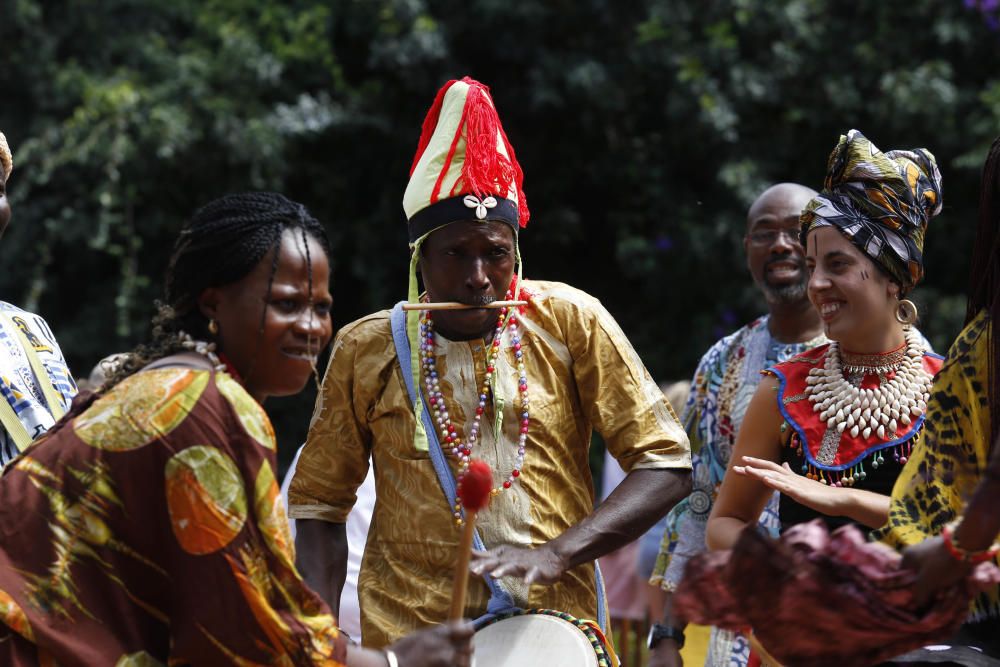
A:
(465, 168)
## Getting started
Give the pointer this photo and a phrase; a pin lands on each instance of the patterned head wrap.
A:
(881, 202)
(6, 159)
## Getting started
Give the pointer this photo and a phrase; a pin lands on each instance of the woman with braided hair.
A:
(146, 528)
(944, 505)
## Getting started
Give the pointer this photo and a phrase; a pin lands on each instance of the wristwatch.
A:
(658, 632)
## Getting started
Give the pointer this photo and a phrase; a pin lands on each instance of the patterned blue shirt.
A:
(723, 384)
(18, 384)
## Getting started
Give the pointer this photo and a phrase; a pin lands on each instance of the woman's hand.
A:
(936, 568)
(864, 507)
(445, 645)
(814, 495)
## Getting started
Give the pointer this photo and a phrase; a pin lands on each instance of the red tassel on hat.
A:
(485, 170)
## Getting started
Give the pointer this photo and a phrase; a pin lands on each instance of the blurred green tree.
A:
(645, 129)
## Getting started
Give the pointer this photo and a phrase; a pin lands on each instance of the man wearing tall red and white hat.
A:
(519, 387)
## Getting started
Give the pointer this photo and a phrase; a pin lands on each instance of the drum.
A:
(541, 637)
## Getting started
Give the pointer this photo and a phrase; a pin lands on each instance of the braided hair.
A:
(984, 281)
(222, 243)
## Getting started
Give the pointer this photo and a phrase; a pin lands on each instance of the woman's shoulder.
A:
(157, 400)
(972, 342)
(966, 367)
(144, 406)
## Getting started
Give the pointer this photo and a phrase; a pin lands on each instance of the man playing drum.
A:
(521, 387)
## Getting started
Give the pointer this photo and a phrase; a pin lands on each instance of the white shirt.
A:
(357, 535)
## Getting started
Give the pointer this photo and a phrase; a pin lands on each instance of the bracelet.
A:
(391, 658)
(962, 555)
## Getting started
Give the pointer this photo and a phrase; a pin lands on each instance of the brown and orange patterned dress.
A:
(149, 531)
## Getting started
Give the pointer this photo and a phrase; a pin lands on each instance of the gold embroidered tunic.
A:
(583, 375)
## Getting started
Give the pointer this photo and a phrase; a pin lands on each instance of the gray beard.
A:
(785, 293)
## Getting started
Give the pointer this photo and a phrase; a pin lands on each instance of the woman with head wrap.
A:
(35, 384)
(849, 601)
(831, 428)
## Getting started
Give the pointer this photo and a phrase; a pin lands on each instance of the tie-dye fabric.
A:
(582, 374)
(149, 531)
(882, 202)
(948, 462)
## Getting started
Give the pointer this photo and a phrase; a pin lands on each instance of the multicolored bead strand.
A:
(451, 440)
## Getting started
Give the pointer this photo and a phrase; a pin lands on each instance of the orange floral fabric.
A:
(148, 531)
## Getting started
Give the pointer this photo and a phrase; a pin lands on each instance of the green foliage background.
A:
(644, 129)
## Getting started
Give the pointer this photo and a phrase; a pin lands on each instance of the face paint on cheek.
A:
(864, 274)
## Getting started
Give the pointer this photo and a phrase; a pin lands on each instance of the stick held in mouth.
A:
(458, 305)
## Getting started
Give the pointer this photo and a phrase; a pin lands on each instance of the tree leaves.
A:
(645, 130)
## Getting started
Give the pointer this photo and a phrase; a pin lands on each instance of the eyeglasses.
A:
(767, 237)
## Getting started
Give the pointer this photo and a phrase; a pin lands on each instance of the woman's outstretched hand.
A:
(814, 495)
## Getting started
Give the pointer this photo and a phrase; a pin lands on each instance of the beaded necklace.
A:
(879, 411)
(207, 350)
(451, 440)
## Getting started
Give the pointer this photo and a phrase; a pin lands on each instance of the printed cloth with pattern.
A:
(948, 462)
(583, 375)
(148, 530)
(882, 202)
(18, 384)
(724, 382)
(816, 599)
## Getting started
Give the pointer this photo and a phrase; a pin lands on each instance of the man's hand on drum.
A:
(541, 565)
(441, 646)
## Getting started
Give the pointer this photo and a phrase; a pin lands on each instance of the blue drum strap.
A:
(500, 600)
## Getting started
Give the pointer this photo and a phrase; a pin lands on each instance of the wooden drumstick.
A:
(458, 305)
(474, 493)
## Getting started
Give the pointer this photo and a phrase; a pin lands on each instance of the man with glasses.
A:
(723, 384)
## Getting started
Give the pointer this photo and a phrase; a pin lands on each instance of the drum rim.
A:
(596, 638)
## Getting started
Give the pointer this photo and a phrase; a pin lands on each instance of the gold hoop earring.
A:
(213, 327)
(906, 312)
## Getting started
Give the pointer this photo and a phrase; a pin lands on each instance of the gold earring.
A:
(906, 312)
(213, 327)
